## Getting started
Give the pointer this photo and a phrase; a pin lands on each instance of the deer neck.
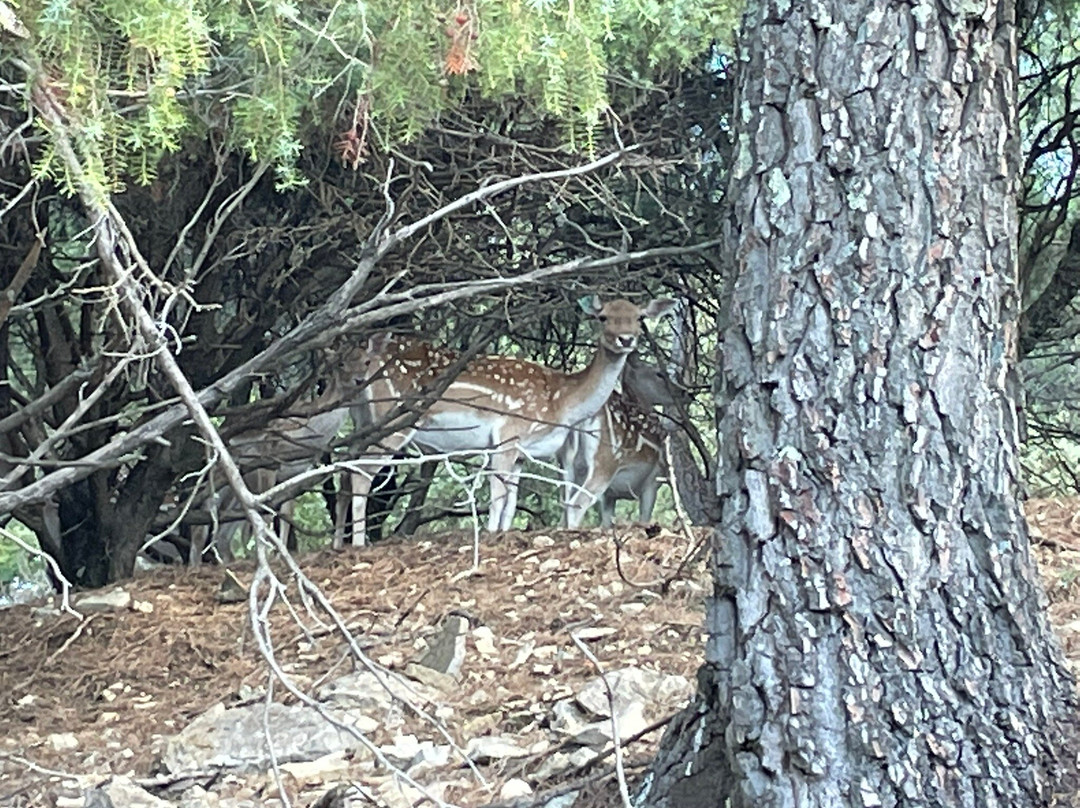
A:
(589, 389)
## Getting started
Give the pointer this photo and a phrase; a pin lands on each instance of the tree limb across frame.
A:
(337, 316)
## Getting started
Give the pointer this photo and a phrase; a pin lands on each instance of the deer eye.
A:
(602, 318)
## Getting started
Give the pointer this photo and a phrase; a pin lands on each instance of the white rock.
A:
(579, 757)
(364, 691)
(484, 640)
(63, 741)
(551, 766)
(562, 801)
(199, 797)
(493, 747)
(113, 600)
(236, 738)
(322, 769)
(631, 721)
(514, 788)
(403, 750)
(124, 792)
(567, 718)
(397, 794)
(431, 677)
(594, 633)
(660, 693)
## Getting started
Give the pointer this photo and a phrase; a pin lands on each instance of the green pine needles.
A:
(135, 77)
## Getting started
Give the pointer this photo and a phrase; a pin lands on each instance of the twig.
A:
(624, 789)
(34, 767)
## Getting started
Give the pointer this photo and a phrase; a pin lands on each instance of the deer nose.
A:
(626, 341)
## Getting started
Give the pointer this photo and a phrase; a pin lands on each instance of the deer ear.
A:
(659, 307)
(590, 304)
(378, 343)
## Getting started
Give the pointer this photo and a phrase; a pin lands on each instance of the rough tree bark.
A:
(877, 631)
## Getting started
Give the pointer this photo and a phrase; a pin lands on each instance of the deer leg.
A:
(647, 499)
(504, 484)
(360, 486)
(362, 480)
(342, 510)
(607, 509)
(583, 498)
(199, 535)
(287, 532)
(512, 487)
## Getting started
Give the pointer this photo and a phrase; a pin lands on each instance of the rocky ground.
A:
(520, 709)
(479, 692)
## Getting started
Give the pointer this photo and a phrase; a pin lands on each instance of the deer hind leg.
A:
(287, 530)
(584, 496)
(647, 499)
(607, 508)
(199, 535)
(505, 476)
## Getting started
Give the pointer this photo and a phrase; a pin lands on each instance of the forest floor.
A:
(101, 696)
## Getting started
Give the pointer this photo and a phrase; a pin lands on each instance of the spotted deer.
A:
(618, 454)
(509, 409)
(289, 445)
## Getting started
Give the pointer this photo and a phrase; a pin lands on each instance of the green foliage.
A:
(135, 77)
(14, 561)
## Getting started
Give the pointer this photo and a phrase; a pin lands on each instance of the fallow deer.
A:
(290, 444)
(510, 409)
(618, 454)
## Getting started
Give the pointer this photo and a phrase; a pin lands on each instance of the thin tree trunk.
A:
(877, 632)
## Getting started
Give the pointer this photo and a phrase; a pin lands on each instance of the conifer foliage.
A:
(136, 76)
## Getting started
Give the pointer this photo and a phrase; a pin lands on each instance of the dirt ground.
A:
(123, 682)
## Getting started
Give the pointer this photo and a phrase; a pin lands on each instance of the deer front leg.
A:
(342, 509)
(360, 486)
(505, 475)
(362, 479)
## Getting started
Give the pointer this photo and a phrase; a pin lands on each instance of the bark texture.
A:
(877, 632)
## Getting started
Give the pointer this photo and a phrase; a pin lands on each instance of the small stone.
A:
(594, 633)
(493, 747)
(431, 677)
(402, 751)
(579, 757)
(446, 652)
(111, 601)
(514, 788)
(484, 640)
(231, 590)
(63, 741)
(563, 801)
(328, 767)
(552, 766)
(143, 606)
(199, 797)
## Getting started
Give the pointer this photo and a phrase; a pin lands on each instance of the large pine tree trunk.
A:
(877, 633)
